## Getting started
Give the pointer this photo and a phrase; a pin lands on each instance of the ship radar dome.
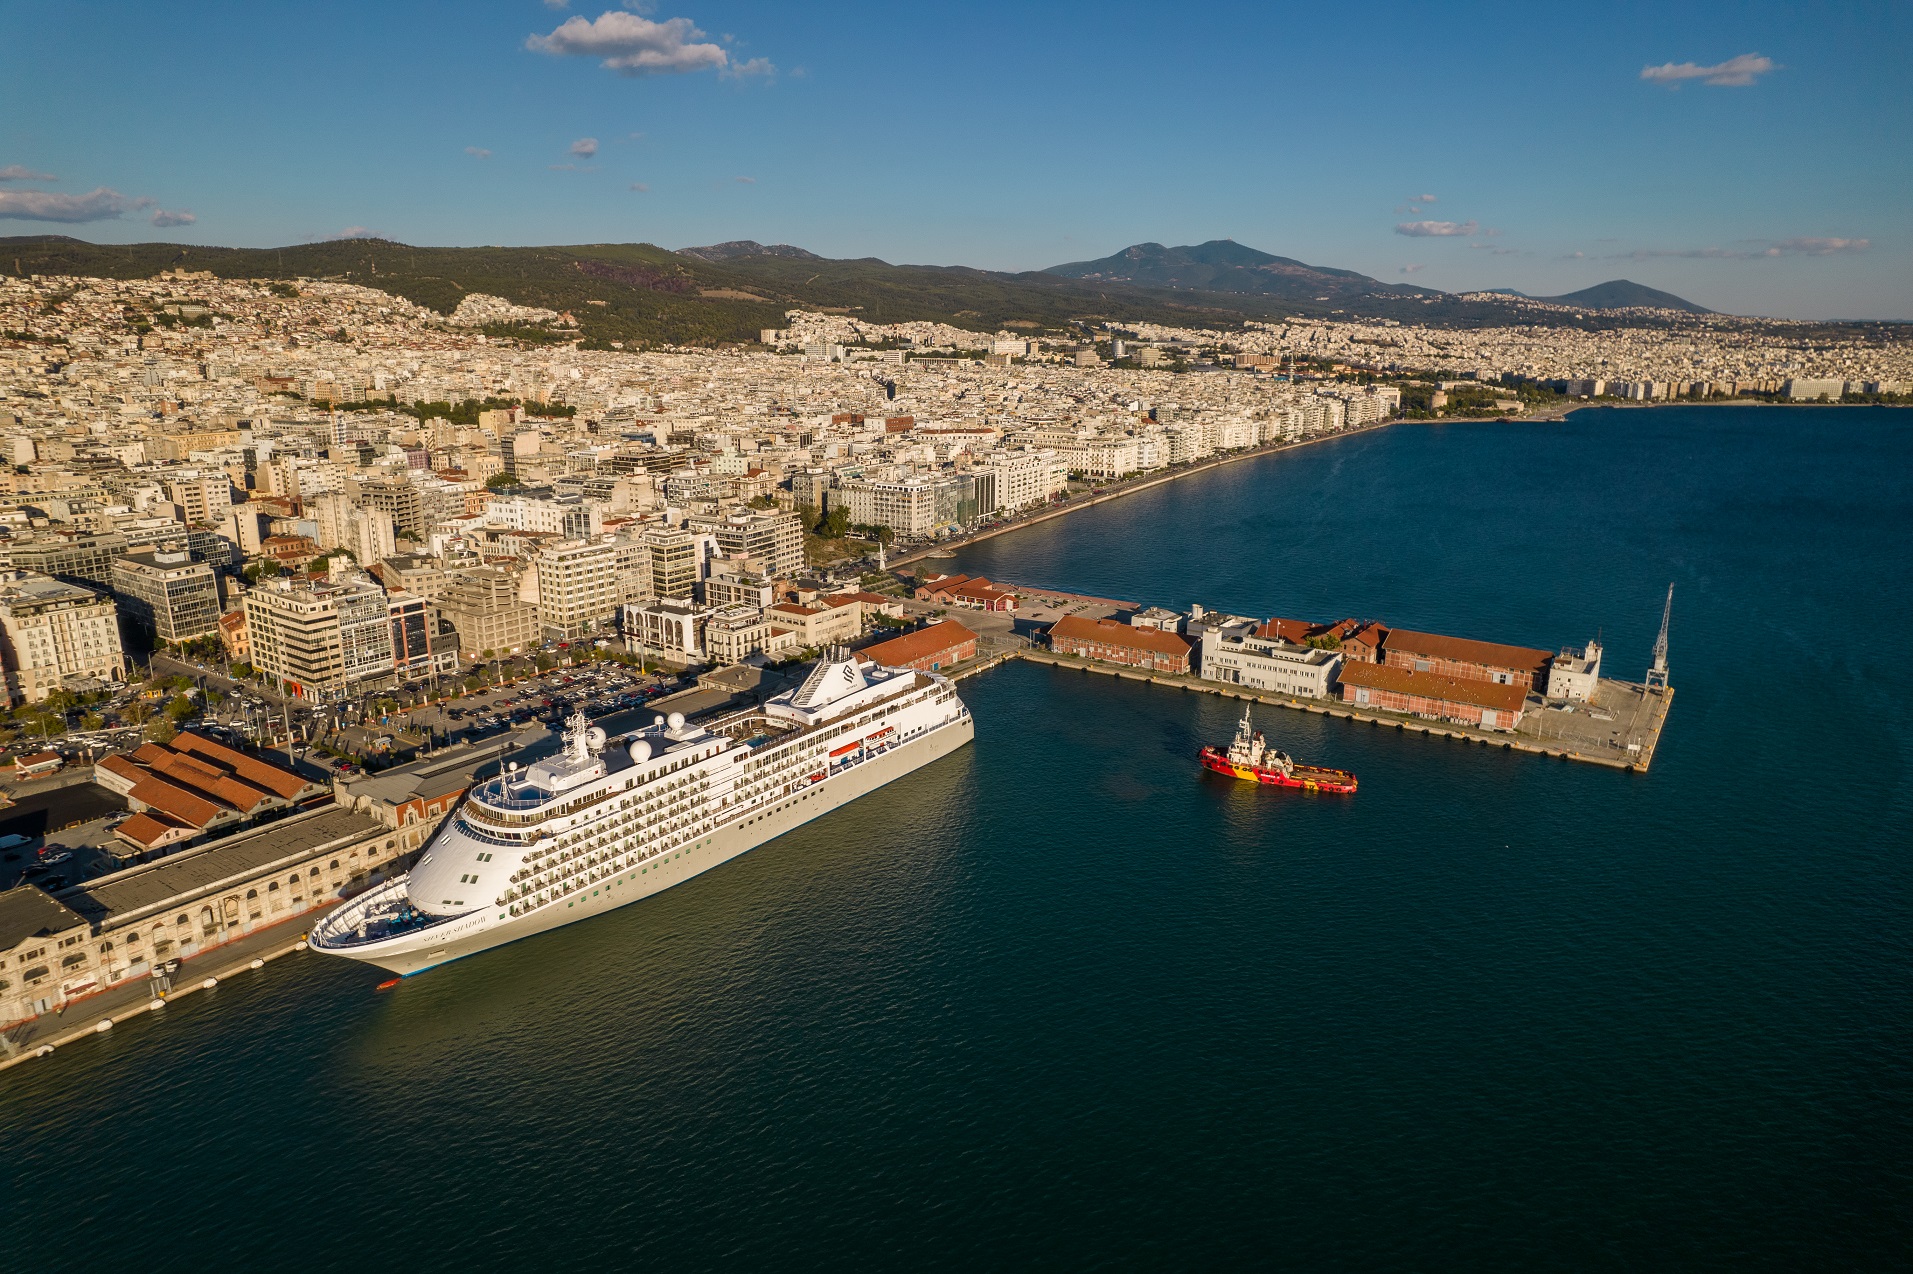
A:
(594, 738)
(641, 751)
(675, 721)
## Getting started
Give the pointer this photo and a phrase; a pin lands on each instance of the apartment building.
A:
(483, 605)
(167, 594)
(772, 540)
(676, 561)
(321, 639)
(581, 585)
(53, 633)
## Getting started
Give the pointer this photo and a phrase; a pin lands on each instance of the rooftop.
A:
(183, 875)
(28, 911)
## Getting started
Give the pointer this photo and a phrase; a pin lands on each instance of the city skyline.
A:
(1742, 158)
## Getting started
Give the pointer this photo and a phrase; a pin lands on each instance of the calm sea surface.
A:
(1062, 1001)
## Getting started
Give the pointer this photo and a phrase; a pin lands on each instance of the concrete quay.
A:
(101, 1014)
(1643, 724)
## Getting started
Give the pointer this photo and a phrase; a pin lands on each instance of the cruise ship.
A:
(606, 822)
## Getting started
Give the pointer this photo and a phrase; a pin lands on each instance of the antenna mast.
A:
(1657, 672)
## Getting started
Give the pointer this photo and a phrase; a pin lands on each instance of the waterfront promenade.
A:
(1122, 487)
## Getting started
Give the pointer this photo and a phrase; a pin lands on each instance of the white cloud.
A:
(1426, 199)
(17, 172)
(1756, 250)
(1438, 229)
(631, 45)
(1819, 247)
(740, 70)
(478, 152)
(585, 147)
(355, 232)
(745, 181)
(1736, 72)
(164, 219)
(44, 205)
(1411, 269)
(639, 186)
(557, 4)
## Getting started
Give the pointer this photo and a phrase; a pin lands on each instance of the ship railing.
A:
(382, 914)
(496, 792)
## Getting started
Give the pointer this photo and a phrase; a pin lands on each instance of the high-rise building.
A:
(167, 594)
(581, 585)
(773, 539)
(53, 633)
(321, 639)
(676, 558)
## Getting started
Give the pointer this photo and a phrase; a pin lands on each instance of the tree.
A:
(501, 482)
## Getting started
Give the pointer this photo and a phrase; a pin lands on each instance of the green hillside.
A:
(654, 297)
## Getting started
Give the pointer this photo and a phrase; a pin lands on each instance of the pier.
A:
(1635, 714)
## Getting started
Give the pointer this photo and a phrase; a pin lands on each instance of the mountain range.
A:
(643, 295)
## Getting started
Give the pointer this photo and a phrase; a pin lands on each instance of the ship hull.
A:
(1307, 777)
(482, 930)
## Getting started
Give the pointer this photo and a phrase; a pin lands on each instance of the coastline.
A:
(1130, 488)
(1546, 414)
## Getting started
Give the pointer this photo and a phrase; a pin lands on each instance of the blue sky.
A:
(1008, 136)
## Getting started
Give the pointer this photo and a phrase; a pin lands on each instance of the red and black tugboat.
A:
(1253, 760)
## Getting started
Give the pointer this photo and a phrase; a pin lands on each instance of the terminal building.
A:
(1254, 655)
(56, 949)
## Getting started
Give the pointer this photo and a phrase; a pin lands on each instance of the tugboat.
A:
(1250, 758)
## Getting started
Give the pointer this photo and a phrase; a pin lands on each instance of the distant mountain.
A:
(1622, 294)
(644, 296)
(734, 248)
(1223, 265)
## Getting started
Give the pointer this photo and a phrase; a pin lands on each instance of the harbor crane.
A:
(1657, 671)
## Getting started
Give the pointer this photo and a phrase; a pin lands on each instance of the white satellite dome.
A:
(675, 721)
(641, 751)
(595, 737)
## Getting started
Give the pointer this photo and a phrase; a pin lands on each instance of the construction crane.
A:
(1657, 671)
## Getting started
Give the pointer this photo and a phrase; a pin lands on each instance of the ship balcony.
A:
(379, 916)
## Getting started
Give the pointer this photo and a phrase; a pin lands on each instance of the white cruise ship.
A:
(607, 822)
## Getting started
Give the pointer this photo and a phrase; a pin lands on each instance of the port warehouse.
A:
(1476, 683)
(56, 949)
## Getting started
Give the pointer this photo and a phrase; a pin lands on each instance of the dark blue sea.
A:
(1062, 1001)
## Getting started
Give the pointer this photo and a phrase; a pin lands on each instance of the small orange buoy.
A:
(387, 984)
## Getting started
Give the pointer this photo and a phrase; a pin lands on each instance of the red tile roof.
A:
(150, 832)
(175, 801)
(1077, 628)
(1464, 650)
(901, 651)
(275, 779)
(1429, 685)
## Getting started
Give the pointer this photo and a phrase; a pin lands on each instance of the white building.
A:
(1576, 674)
(52, 632)
(1239, 655)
